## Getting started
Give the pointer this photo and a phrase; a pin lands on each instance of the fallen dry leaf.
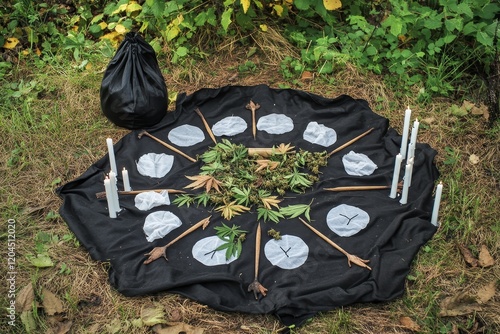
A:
(485, 293)
(177, 328)
(409, 324)
(467, 105)
(51, 303)
(58, 326)
(468, 257)
(459, 304)
(481, 110)
(428, 120)
(474, 159)
(485, 259)
(115, 326)
(307, 76)
(25, 298)
(175, 315)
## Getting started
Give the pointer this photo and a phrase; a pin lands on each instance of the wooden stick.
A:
(264, 152)
(255, 286)
(257, 250)
(170, 147)
(354, 188)
(158, 252)
(202, 223)
(136, 192)
(207, 127)
(350, 142)
(350, 258)
(253, 107)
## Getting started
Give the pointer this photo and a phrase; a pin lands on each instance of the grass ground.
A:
(52, 130)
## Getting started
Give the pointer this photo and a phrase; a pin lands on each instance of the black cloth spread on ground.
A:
(393, 234)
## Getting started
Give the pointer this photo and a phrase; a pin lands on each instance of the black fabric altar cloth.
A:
(391, 238)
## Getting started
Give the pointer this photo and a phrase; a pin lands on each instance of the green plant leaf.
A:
(226, 18)
(40, 260)
(295, 210)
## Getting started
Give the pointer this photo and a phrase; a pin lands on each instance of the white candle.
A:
(406, 185)
(437, 201)
(410, 162)
(406, 129)
(414, 131)
(114, 190)
(126, 181)
(111, 153)
(395, 176)
(411, 151)
(109, 198)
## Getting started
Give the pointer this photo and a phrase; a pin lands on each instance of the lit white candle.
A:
(437, 202)
(126, 181)
(114, 190)
(406, 185)
(111, 153)
(406, 129)
(395, 176)
(109, 198)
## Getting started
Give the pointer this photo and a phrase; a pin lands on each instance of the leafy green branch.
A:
(233, 238)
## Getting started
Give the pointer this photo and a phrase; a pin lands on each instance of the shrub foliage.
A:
(434, 47)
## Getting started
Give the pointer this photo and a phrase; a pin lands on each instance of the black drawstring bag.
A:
(133, 91)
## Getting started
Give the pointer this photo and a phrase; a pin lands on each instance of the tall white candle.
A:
(114, 190)
(406, 185)
(109, 198)
(126, 181)
(437, 202)
(111, 153)
(395, 176)
(406, 129)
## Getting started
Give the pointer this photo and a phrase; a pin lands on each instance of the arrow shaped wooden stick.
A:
(356, 188)
(158, 252)
(353, 188)
(207, 127)
(350, 258)
(102, 194)
(170, 147)
(255, 286)
(352, 141)
(253, 107)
